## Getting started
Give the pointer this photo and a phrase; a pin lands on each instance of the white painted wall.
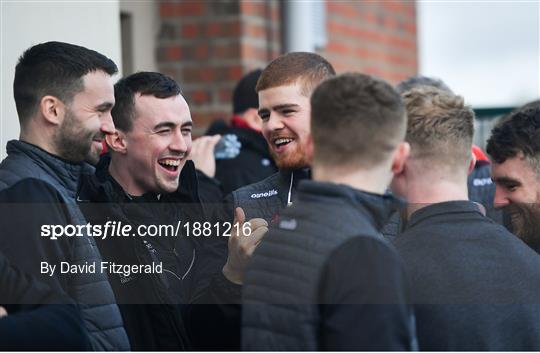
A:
(145, 31)
(92, 24)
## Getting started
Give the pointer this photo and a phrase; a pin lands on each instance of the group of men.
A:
(304, 264)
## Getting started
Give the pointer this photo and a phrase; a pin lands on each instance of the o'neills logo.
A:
(264, 194)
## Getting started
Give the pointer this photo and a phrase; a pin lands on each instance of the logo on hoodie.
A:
(264, 194)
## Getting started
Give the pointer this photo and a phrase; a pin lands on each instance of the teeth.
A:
(282, 140)
(170, 162)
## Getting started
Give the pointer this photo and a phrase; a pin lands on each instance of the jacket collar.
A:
(442, 208)
(187, 190)
(67, 173)
(289, 180)
(378, 208)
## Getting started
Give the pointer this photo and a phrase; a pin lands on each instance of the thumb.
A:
(239, 215)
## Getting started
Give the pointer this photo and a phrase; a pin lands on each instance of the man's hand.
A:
(241, 247)
(3, 312)
(202, 154)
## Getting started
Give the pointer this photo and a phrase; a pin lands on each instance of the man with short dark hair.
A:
(148, 180)
(514, 147)
(474, 285)
(64, 96)
(324, 278)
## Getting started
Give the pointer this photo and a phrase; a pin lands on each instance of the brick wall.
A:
(375, 37)
(208, 45)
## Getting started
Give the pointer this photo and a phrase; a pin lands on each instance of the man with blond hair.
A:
(474, 285)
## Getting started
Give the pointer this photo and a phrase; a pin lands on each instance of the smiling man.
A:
(284, 89)
(64, 95)
(147, 180)
(514, 147)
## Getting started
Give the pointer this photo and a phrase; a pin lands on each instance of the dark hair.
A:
(56, 69)
(145, 84)
(307, 68)
(517, 132)
(244, 95)
(356, 120)
(416, 81)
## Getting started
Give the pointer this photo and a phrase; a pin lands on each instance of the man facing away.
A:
(324, 278)
(64, 96)
(514, 147)
(473, 284)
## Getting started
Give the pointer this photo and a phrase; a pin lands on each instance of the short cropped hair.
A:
(56, 69)
(518, 132)
(145, 84)
(308, 69)
(417, 81)
(440, 126)
(356, 120)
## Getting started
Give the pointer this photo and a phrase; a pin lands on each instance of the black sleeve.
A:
(30, 326)
(49, 327)
(364, 300)
(25, 207)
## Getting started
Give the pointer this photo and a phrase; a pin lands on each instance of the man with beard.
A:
(324, 278)
(514, 147)
(473, 284)
(64, 96)
(284, 89)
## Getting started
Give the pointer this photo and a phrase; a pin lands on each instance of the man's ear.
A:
(117, 141)
(52, 109)
(472, 163)
(400, 157)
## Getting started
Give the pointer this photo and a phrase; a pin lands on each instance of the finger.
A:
(239, 215)
(3, 311)
(258, 222)
(214, 140)
(255, 238)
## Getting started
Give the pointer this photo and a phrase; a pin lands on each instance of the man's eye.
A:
(288, 112)
(264, 117)
(163, 131)
(186, 132)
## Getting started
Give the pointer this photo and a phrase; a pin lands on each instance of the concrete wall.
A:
(92, 24)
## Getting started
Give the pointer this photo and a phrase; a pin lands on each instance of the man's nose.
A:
(501, 198)
(274, 122)
(178, 143)
(107, 124)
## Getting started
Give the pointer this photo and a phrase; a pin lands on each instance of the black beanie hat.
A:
(244, 95)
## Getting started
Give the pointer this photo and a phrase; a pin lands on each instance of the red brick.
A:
(190, 30)
(253, 30)
(226, 51)
(225, 95)
(201, 51)
(182, 8)
(199, 97)
(253, 8)
(174, 53)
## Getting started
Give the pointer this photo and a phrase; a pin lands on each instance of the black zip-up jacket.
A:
(475, 286)
(40, 317)
(268, 197)
(325, 279)
(38, 189)
(158, 316)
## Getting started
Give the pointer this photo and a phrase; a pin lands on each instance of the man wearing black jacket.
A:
(37, 318)
(148, 181)
(324, 278)
(64, 96)
(284, 89)
(473, 284)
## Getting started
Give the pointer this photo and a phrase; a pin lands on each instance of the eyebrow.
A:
(278, 107)
(170, 124)
(506, 180)
(105, 106)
